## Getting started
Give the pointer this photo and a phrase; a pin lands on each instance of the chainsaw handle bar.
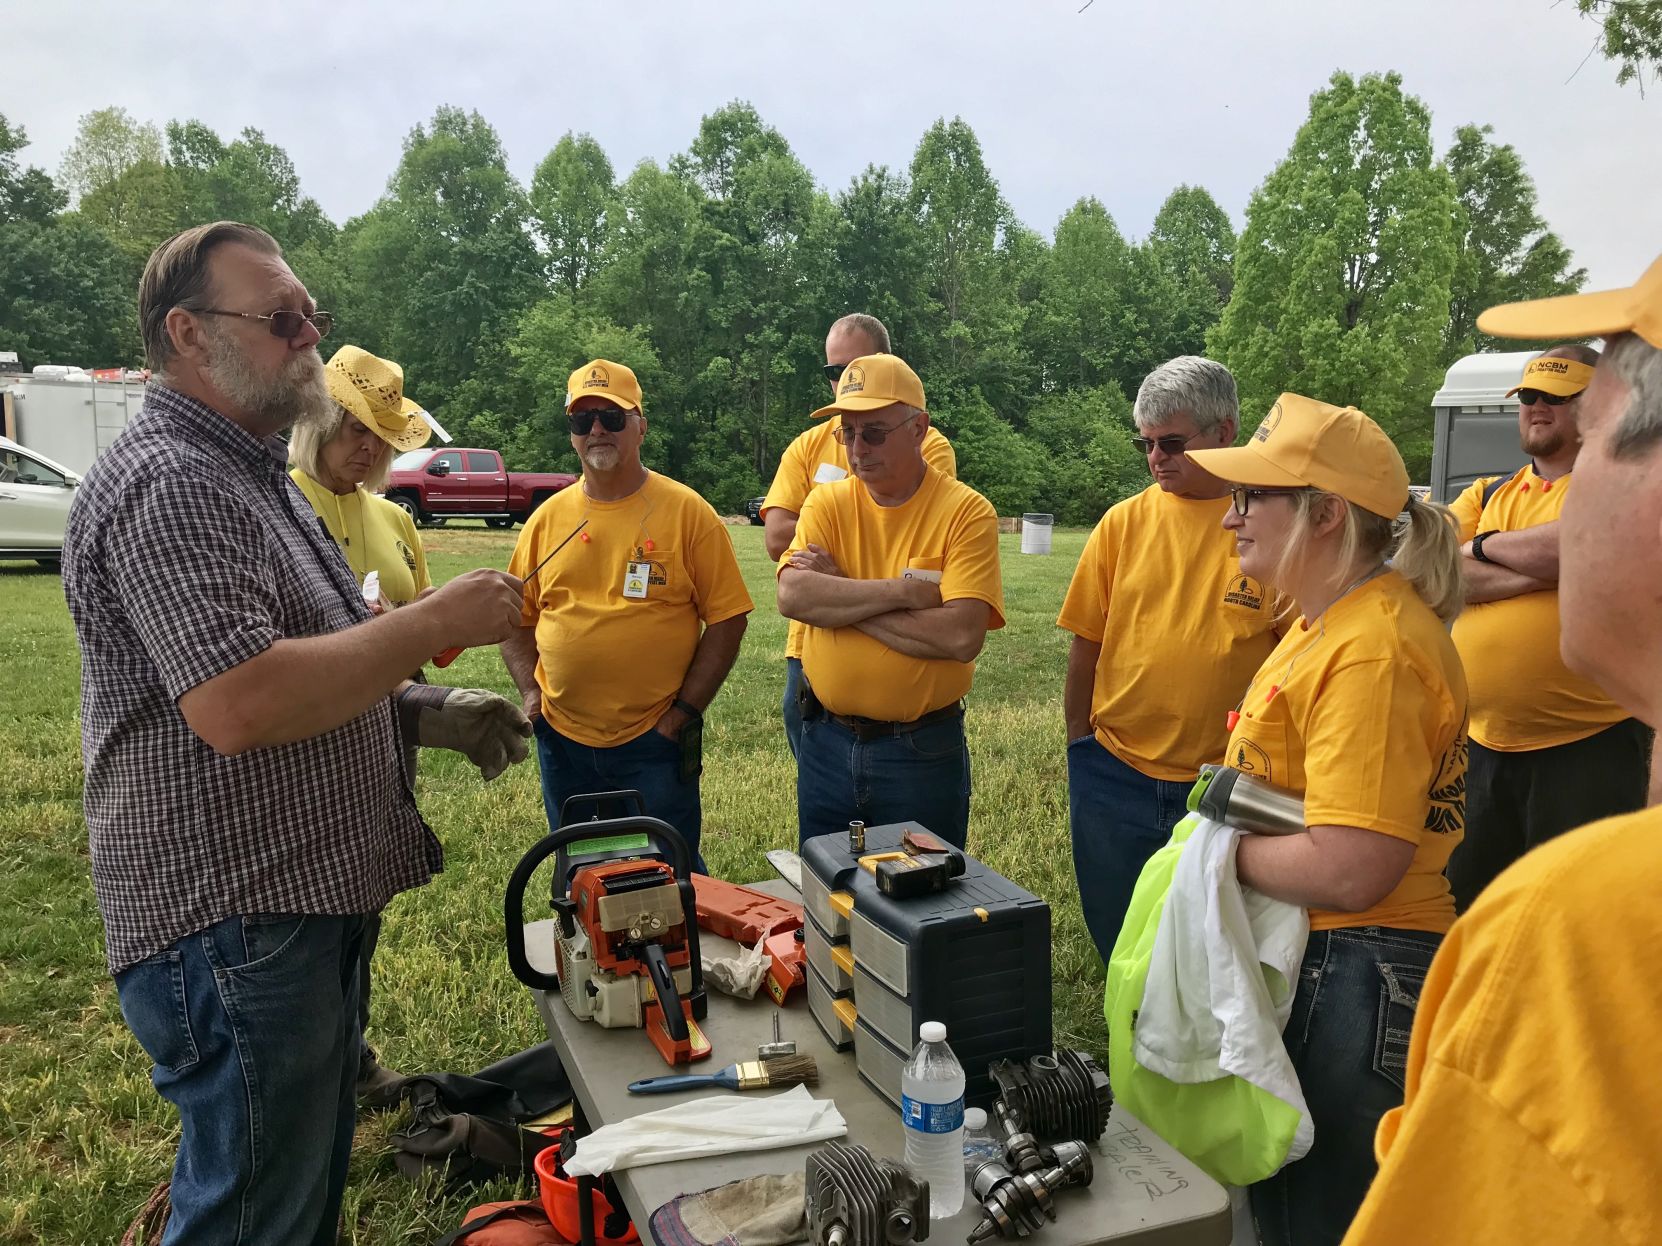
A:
(663, 836)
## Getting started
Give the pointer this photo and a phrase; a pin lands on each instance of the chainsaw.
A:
(626, 949)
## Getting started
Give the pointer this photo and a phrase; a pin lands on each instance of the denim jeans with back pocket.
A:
(252, 1025)
(1347, 1035)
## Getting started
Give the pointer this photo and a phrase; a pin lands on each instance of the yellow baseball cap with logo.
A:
(601, 378)
(1552, 375)
(1303, 443)
(1634, 309)
(873, 382)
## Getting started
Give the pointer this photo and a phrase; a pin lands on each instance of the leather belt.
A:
(867, 729)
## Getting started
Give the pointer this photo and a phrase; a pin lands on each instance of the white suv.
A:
(35, 494)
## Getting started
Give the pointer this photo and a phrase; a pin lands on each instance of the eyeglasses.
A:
(1242, 496)
(834, 372)
(284, 324)
(1529, 397)
(612, 419)
(1172, 445)
(872, 435)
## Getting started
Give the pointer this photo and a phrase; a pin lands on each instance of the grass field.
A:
(85, 1137)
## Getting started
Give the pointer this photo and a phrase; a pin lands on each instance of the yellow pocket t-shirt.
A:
(619, 615)
(947, 533)
(1363, 714)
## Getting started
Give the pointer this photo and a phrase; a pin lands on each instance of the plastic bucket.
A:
(1035, 533)
(559, 1200)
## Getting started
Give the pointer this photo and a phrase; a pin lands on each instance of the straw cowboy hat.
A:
(371, 389)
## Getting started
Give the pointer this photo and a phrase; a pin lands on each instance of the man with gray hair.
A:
(246, 806)
(1167, 633)
(1530, 1078)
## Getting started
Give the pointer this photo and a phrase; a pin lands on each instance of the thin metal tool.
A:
(450, 655)
(779, 1046)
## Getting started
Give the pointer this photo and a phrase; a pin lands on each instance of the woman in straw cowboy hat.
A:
(1361, 711)
(341, 461)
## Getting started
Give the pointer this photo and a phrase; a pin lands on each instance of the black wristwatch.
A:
(689, 709)
(1477, 545)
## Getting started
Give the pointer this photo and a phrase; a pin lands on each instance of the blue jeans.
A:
(1119, 818)
(252, 1025)
(790, 710)
(922, 776)
(649, 764)
(1347, 1035)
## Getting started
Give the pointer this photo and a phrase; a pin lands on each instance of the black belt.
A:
(865, 729)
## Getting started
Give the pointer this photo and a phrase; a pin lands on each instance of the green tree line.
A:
(1363, 264)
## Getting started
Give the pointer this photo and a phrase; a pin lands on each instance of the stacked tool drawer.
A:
(975, 956)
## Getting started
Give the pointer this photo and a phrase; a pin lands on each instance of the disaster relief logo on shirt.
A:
(655, 570)
(1448, 791)
(1248, 758)
(407, 554)
(1244, 591)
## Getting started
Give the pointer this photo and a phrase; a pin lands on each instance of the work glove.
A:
(489, 730)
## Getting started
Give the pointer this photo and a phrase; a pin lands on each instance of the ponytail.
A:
(1427, 555)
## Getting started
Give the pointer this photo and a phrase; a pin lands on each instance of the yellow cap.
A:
(1554, 376)
(1303, 443)
(872, 382)
(601, 378)
(371, 389)
(1635, 309)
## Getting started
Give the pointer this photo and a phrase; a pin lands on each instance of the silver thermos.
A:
(1236, 799)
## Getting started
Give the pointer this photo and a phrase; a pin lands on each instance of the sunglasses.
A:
(284, 324)
(1242, 496)
(872, 435)
(1172, 445)
(834, 372)
(1529, 397)
(612, 419)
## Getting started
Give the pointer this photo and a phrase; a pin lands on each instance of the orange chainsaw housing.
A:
(745, 915)
(654, 955)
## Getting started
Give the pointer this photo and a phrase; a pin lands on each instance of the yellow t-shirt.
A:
(612, 644)
(374, 534)
(816, 458)
(945, 528)
(1533, 1109)
(1160, 588)
(1364, 716)
(1523, 696)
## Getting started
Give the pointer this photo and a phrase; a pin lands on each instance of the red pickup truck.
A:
(446, 483)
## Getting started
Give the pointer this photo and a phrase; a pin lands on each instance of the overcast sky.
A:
(1120, 101)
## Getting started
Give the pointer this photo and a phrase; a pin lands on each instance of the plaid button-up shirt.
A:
(189, 551)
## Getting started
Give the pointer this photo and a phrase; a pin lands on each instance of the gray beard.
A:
(601, 458)
(295, 395)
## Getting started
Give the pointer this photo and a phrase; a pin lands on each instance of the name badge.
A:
(827, 473)
(635, 580)
(930, 574)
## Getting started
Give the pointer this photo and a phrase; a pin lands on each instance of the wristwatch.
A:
(1477, 546)
(689, 709)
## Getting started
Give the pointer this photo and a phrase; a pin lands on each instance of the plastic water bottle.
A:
(979, 1143)
(932, 1111)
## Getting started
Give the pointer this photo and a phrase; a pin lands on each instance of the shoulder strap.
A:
(1489, 491)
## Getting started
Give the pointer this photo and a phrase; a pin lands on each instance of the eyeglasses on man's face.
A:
(284, 324)
(871, 434)
(612, 419)
(1171, 444)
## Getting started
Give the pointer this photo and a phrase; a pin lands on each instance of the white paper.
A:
(827, 472)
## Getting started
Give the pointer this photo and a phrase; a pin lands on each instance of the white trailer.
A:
(70, 421)
(1476, 433)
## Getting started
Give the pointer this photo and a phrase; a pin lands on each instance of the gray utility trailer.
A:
(72, 421)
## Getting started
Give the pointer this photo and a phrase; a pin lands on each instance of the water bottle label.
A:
(931, 1118)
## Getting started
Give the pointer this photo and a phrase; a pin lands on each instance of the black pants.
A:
(1516, 801)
